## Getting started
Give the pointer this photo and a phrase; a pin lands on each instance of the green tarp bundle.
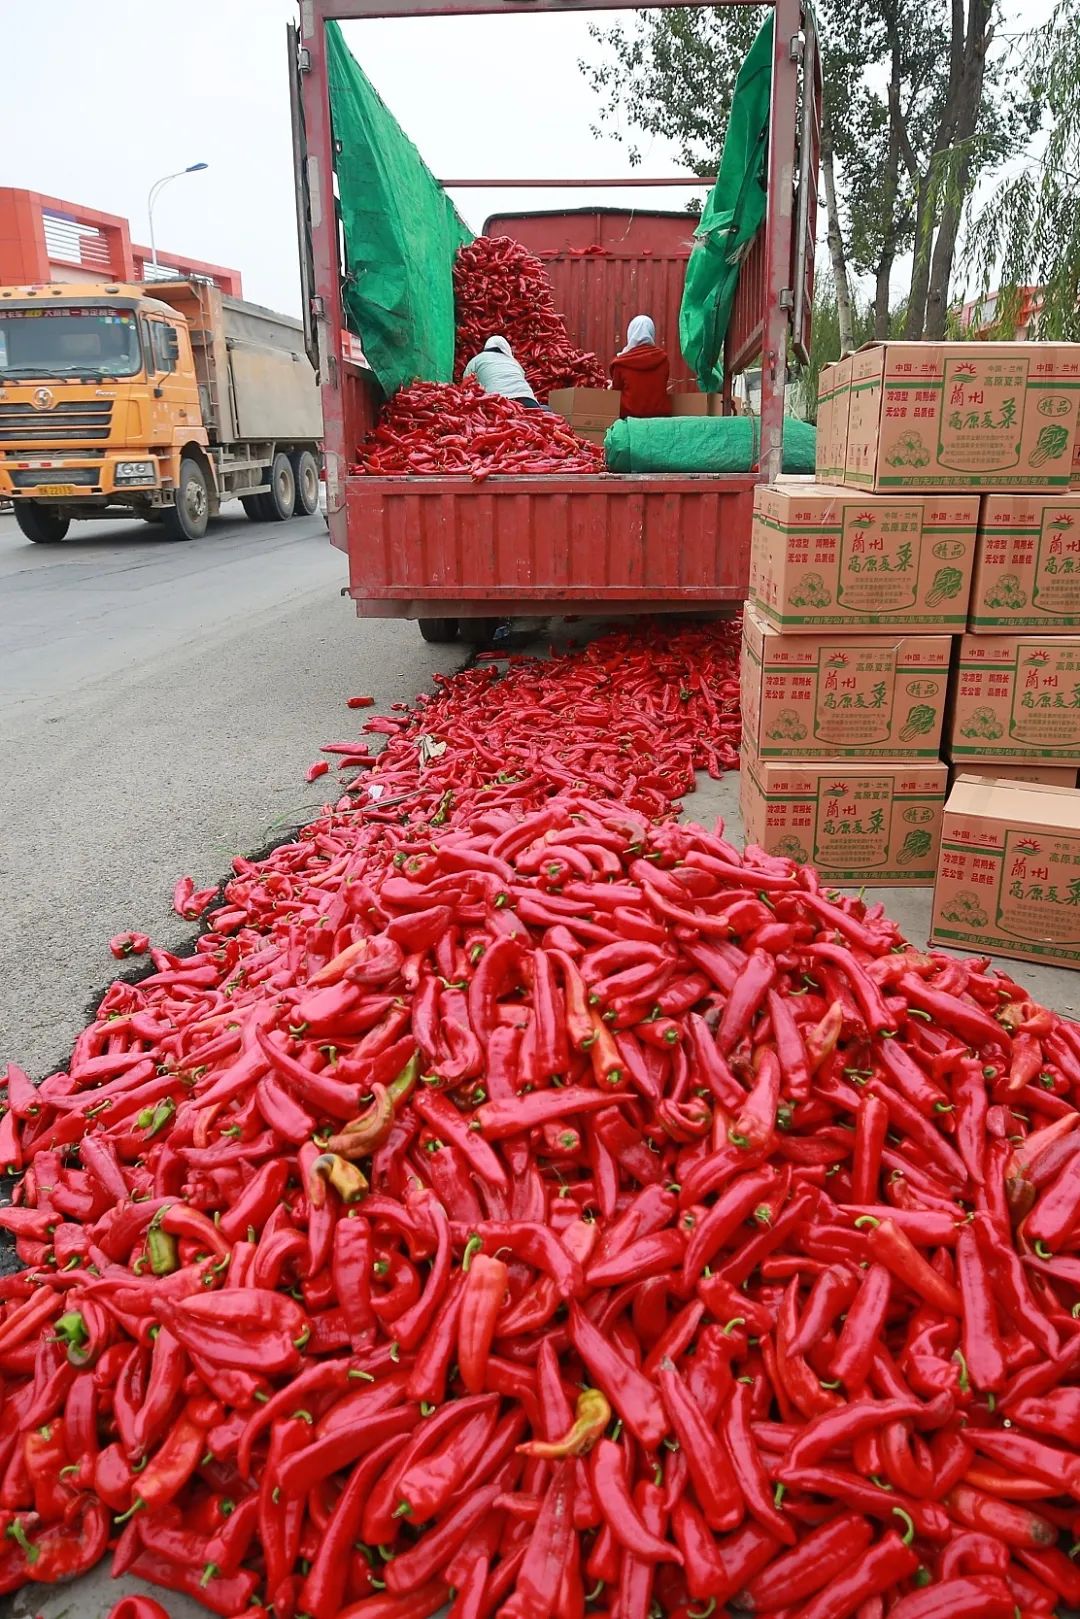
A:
(701, 444)
(401, 231)
(731, 218)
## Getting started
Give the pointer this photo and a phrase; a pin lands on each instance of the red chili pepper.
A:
(858, 1339)
(981, 1337)
(821, 1556)
(716, 1483)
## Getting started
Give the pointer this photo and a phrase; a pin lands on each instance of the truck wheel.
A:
(439, 629)
(187, 519)
(256, 507)
(282, 496)
(42, 524)
(480, 632)
(306, 476)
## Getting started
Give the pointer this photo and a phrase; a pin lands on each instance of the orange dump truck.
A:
(156, 401)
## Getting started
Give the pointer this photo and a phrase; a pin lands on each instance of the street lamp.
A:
(192, 168)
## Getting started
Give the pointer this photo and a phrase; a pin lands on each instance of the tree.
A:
(827, 344)
(1028, 232)
(902, 148)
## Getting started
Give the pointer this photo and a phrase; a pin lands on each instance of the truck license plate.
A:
(55, 489)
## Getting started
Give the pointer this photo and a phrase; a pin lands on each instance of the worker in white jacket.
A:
(497, 372)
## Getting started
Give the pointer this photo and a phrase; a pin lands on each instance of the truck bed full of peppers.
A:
(523, 1201)
(502, 290)
(442, 429)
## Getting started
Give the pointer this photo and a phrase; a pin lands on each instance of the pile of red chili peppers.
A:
(502, 290)
(442, 429)
(523, 1202)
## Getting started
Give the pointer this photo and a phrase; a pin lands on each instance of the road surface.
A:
(159, 704)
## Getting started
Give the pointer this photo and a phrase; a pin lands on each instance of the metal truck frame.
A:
(425, 546)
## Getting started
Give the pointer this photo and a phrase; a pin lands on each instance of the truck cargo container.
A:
(155, 400)
(443, 549)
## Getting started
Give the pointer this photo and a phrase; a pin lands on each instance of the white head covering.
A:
(501, 344)
(640, 331)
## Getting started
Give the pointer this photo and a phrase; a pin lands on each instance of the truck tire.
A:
(42, 524)
(256, 507)
(188, 518)
(439, 629)
(480, 632)
(282, 495)
(306, 477)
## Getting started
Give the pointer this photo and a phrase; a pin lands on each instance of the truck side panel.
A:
(255, 380)
(274, 390)
(548, 540)
(274, 394)
(640, 270)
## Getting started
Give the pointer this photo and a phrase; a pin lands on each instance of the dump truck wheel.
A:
(439, 629)
(42, 524)
(188, 518)
(255, 507)
(306, 476)
(282, 495)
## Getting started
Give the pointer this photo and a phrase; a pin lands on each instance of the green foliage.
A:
(825, 340)
(672, 73)
(913, 116)
(1028, 232)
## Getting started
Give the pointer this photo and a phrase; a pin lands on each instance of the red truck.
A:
(446, 549)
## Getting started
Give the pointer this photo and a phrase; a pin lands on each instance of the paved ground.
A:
(159, 704)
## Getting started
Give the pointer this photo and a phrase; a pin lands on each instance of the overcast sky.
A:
(107, 104)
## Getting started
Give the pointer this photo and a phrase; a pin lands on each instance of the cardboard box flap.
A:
(1015, 801)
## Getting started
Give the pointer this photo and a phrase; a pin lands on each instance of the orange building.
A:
(43, 239)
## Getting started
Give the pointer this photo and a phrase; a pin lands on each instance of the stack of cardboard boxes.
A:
(916, 606)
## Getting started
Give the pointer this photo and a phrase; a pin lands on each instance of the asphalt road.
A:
(159, 704)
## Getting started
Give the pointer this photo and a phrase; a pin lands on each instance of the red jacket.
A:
(642, 375)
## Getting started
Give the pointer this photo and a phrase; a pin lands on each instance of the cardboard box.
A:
(697, 404)
(823, 557)
(1015, 697)
(1009, 874)
(1027, 565)
(590, 411)
(832, 417)
(857, 822)
(842, 697)
(962, 416)
(1047, 775)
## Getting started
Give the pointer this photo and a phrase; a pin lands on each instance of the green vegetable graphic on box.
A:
(1051, 443)
(812, 592)
(1006, 592)
(946, 583)
(910, 452)
(791, 848)
(983, 725)
(788, 727)
(916, 846)
(920, 720)
(966, 910)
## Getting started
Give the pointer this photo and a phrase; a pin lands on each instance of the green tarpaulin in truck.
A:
(714, 444)
(401, 231)
(731, 218)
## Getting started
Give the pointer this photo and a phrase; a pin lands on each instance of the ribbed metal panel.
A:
(742, 346)
(550, 540)
(640, 272)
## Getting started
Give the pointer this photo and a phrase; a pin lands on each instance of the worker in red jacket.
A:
(640, 371)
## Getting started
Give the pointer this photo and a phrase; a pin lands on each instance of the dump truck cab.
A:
(99, 400)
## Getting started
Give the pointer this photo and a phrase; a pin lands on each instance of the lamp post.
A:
(192, 168)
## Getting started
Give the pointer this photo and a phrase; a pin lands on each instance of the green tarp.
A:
(701, 444)
(401, 231)
(732, 215)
